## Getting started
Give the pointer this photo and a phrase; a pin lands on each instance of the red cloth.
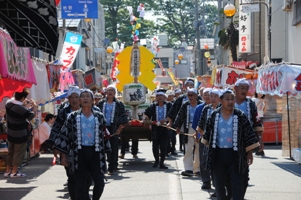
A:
(57, 2)
(9, 86)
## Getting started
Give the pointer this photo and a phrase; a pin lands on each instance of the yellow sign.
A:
(146, 66)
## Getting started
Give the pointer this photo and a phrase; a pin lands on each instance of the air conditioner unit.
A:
(287, 5)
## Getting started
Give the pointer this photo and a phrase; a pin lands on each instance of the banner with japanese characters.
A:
(15, 62)
(114, 67)
(70, 49)
(279, 80)
(244, 29)
(227, 76)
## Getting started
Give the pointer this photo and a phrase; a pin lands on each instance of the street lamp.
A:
(229, 9)
(180, 56)
(109, 50)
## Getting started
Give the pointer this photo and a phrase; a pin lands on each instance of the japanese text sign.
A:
(15, 62)
(244, 30)
(79, 9)
(227, 76)
(70, 49)
(279, 80)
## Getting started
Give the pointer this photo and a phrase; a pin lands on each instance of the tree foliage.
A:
(178, 19)
(117, 20)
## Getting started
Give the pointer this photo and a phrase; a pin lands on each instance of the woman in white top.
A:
(260, 104)
(45, 128)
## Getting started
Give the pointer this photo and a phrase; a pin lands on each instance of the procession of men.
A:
(218, 130)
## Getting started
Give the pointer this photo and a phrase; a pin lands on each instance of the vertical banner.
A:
(244, 30)
(114, 67)
(53, 74)
(70, 49)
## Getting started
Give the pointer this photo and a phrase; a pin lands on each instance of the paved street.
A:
(273, 177)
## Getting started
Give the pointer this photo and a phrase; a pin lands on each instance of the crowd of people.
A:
(219, 129)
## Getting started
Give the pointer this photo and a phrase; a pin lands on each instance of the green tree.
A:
(117, 20)
(178, 19)
(228, 39)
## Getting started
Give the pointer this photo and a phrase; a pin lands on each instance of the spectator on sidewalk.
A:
(17, 134)
(44, 130)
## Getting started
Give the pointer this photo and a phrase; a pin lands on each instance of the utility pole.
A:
(198, 46)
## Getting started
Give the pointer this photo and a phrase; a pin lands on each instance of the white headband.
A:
(224, 91)
(73, 89)
(192, 90)
(189, 81)
(87, 90)
(160, 93)
(98, 95)
(206, 90)
(215, 91)
(170, 92)
(178, 91)
(112, 87)
(242, 81)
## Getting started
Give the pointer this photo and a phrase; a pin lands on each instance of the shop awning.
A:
(31, 23)
(16, 70)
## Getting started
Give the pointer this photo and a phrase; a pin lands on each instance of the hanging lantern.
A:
(177, 62)
(207, 54)
(209, 62)
(110, 50)
(206, 46)
(229, 10)
(180, 56)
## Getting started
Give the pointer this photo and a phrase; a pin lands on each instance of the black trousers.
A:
(205, 174)
(171, 144)
(113, 155)
(160, 139)
(134, 146)
(226, 163)
(88, 162)
(181, 142)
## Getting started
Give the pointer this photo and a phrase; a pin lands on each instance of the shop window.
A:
(297, 13)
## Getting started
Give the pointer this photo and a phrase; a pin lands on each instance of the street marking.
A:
(174, 187)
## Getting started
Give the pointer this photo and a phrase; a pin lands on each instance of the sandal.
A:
(18, 175)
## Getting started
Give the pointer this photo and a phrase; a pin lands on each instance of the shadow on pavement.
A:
(291, 167)
(14, 193)
(66, 193)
